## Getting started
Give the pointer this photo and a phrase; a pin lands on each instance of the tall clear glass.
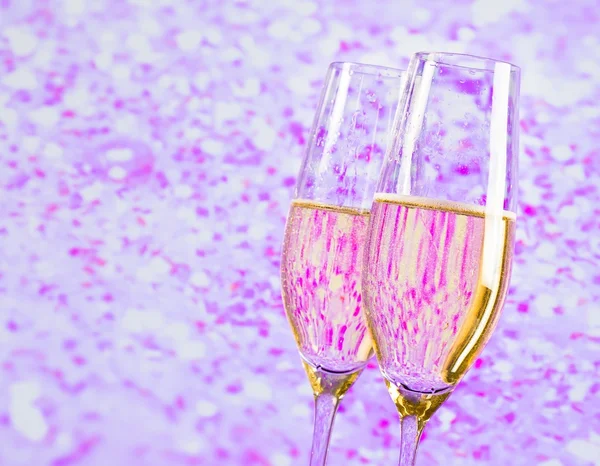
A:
(440, 241)
(326, 233)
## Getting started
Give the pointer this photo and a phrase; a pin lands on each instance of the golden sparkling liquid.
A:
(436, 276)
(321, 286)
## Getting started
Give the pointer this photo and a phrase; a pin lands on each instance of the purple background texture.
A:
(148, 153)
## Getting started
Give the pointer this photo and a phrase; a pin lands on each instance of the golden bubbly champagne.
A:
(436, 277)
(321, 282)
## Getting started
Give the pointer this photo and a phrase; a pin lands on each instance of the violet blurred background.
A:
(149, 150)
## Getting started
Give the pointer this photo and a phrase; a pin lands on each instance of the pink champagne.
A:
(321, 282)
(436, 277)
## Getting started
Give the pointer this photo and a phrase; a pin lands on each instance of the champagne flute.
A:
(326, 232)
(441, 235)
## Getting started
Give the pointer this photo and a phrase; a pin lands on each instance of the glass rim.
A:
(464, 60)
(366, 68)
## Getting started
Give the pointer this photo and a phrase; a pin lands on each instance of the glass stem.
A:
(326, 405)
(410, 433)
(329, 388)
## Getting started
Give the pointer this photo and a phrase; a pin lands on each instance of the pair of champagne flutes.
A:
(400, 237)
